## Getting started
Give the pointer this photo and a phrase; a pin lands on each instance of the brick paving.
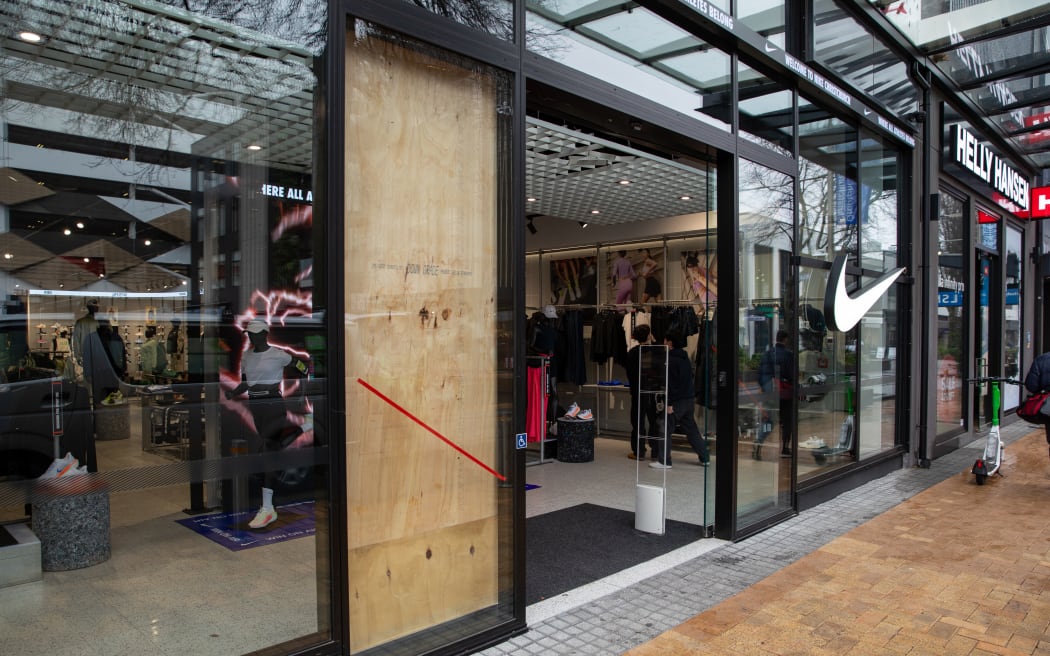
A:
(921, 561)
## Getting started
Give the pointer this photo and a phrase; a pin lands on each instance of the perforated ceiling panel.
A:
(580, 177)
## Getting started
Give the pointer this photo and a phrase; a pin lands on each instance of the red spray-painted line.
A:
(431, 430)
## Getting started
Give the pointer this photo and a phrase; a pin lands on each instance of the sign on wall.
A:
(981, 161)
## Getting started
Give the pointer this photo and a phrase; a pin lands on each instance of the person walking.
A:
(643, 408)
(777, 376)
(681, 398)
(1038, 380)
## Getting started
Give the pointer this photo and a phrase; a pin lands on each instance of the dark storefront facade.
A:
(267, 271)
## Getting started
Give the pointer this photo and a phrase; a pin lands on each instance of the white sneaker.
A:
(585, 415)
(573, 410)
(263, 518)
(60, 467)
(658, 465)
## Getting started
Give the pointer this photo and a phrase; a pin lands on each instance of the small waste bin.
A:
(70, 517)
(575, 440)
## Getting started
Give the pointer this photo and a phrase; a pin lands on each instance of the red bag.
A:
(1035, 408)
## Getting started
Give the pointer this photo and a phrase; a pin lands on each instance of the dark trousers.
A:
(682, 419)
(648, 425)
(786, 419)
(275, 431)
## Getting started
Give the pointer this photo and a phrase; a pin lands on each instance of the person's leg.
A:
(664, 448)
(687, 422)
(637, 448)
(1046, 428)
(787, 427)
(650, 423)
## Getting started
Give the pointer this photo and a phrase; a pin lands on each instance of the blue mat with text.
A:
(294, 520)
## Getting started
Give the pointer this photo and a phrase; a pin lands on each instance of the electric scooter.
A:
(988, 464)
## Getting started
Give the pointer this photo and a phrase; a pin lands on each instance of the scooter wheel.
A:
(980, 478)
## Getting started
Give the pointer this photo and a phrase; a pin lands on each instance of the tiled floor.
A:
(166, 591)
(957, 569)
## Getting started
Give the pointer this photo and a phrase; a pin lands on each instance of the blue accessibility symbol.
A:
(522, 440)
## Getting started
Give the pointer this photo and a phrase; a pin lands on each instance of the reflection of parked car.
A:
(35, 404)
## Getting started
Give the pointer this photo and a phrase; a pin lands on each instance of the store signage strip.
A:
(982, 161)
(725, 21)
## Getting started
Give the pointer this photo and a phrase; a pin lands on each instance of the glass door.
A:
(982, 338)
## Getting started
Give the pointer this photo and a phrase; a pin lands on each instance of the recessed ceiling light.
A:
(596, 212)
(87, 259)
(148, 242)
(531, 200)
(67, 232)
(583, 224)
(30, 37)
(8, 256)
(80, 224)
(255, 147)
(685, 198)
(624, 182)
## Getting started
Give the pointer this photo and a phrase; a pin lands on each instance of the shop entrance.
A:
(621, 233)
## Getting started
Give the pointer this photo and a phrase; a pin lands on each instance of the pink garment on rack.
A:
(536, 408)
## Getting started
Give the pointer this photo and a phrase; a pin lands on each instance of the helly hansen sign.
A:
(1040, 203)
(980, 160)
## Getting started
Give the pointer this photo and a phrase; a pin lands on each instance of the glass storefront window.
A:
(764, 108)
(163, 290)
(876, 354)
(951, 314)
(642, 52)
(765, 416)
(429, 428)
(495, 17)
(879, 205)
(1013, 301)
(828, 197)
(827, 416)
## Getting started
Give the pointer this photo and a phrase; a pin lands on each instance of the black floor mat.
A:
(575, 546)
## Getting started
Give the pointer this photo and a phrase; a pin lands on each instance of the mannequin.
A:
(262, 374)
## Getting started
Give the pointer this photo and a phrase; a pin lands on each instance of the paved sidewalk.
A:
(957, 569)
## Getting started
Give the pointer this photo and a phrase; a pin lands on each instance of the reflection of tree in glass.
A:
(818, 229)
(765, 205)
(187, 74)
(492, 16)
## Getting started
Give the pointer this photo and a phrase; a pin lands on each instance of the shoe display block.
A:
(113, 422)
(71, 520)
(575, 440)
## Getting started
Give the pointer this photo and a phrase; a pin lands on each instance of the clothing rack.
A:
(538, 406)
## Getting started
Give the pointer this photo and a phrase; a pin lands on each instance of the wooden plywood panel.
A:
(420, 302)
(419, 581)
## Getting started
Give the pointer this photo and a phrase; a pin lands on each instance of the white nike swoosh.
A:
(841, 311)
(770, 47)
(867, 112)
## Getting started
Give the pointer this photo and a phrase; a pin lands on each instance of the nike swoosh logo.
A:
(770, 47)
(841, 311)
(867, 112)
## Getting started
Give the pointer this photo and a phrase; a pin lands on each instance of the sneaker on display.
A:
(115, 397)
(586, 414)
(263, 518)
(61, 466)
(573, 410)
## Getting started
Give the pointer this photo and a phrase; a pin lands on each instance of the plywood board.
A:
(420, 331)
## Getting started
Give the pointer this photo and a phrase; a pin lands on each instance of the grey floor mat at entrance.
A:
(578, 545)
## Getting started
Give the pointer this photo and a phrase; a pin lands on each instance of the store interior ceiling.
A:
(590, 180)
